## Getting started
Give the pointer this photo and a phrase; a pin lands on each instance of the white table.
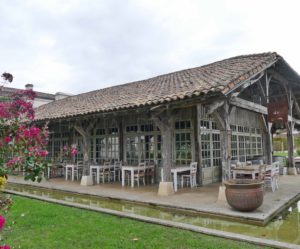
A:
(51, 167)
(72, 167)
(131, 169)
(249, 170)
(177, 170)
(99, 168)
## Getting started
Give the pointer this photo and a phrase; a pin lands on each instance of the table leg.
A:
(49, 172)
(98, 175)
(72, 173)
(123, 177)
(175, 182)
(66, 173)
(132, 178)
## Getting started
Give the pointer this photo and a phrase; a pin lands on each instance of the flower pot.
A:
(244, 194)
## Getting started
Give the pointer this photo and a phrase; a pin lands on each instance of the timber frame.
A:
(211, 129)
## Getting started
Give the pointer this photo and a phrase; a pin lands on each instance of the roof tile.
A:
(219, 76)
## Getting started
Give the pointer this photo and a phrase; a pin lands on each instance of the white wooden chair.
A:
(140, 173)
(150, 172)
(190, 178)
(117, 170)
(271, 177)
(105, 174)
(78, 170)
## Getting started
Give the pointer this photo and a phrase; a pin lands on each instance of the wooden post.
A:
(269, 145)
(121, 141)
(86, 146)
(222, 115)
(198, 141)
(290, 138)
(164, 121)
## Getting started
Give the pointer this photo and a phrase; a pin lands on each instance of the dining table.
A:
(71, 167)
(98, 169)
(175, 171)
(250, 170)
(132, 169)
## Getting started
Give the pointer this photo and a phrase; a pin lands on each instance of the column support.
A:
(163, 118)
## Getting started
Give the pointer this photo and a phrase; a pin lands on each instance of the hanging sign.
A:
(278, 111)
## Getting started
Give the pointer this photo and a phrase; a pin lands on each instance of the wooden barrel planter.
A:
(244, 194)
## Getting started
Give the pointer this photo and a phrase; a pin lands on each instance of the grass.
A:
(280, 153)
(36, 224)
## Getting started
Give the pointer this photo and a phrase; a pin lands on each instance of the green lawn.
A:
(36, 224)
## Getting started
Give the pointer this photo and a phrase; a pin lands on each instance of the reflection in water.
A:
(285, 227)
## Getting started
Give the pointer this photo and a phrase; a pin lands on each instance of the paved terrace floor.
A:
(201, 199)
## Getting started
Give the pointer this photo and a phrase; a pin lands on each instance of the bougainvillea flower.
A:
(5, 247)
(7, 139)
(2, 222)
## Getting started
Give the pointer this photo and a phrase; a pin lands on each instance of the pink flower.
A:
(5, 247)
(2, 222)
(7, 139)
(65, 148)
(74, 152)
(44, 153)
(13, 162)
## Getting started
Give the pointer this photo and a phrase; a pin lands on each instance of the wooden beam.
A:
(284, 81)
(245, 104)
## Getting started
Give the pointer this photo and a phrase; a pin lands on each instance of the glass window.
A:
(132, 128)
(242, 156)
(234, 147)
(233, 127)
(205, 149)
(113, 148)
(248, 147)
(100, 131)
(146, 127)
(259, 146)
(113, 131)
(132, 148)
(240, 129)
(216, 149)
(147, 148)
(183, 148)
(100, 149)
(204, 124)
(253, 145)
(183, 125)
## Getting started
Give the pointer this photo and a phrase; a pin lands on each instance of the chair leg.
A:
(273, 185)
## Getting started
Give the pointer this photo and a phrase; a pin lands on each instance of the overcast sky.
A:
(76, 46)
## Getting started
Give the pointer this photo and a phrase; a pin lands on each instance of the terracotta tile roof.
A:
(219, 76)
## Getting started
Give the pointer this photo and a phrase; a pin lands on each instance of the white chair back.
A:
(193, 166)
(117, 165)
(141, 167)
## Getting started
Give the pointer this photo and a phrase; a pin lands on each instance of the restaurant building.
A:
(210, 114)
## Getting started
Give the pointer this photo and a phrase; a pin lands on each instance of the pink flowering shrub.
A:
(2, 224)
(70, 152)
(22, 142)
